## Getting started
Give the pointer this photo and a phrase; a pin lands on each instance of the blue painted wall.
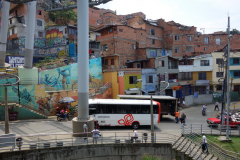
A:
(149, 87)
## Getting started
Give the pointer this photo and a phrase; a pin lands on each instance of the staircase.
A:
(193, 150)
(33, 109)
(100, 90)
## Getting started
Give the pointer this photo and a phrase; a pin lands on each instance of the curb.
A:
(29, 120)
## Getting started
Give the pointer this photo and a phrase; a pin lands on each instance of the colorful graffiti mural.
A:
(41, 52)
(54, 38)
(38, 42)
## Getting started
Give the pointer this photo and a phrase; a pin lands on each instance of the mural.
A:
(38, 42)
(64, 77)
(44, 52)
(15, 61)
(54, 37)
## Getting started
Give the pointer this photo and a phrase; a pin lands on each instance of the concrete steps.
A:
(193, 150)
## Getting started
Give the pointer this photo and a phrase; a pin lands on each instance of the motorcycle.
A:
(203, 112)
(61, 117)
(70, 116)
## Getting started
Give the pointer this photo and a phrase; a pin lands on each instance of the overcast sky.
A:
(209, 14)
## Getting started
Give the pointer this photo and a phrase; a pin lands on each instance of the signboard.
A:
(202, 82)
(176, 87)
(15, 61)
(184, 83)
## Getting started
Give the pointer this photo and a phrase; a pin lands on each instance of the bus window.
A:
(92, 111)
(122, 109)
(135, 109)
(145, 109)
(111, 108)
(155, 109)
(101, 108)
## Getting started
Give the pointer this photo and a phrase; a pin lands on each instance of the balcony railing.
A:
(94, 46)
(172, 67)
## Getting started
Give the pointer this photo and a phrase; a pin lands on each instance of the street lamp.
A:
(151, 108)
(6, 99)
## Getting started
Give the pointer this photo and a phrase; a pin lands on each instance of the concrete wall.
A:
(201, 99)
(149, 87)
(113, 78)
(99, 152)
(127, 84)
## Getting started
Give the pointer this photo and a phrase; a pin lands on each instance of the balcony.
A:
(185, 68)
(94, 46)
(173, 67)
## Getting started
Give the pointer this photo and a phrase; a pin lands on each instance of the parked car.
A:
(217, 121)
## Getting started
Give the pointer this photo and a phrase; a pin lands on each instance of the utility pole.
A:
(152, 125)
(228, 76)
(6, 112)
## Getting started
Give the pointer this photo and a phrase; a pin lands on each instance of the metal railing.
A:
(214, 129)
(213, 148)
(38, 141)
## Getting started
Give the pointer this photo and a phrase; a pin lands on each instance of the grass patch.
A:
(151, 157)
(234, 146)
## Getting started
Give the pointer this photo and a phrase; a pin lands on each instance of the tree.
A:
(235, 31)
(63, 17)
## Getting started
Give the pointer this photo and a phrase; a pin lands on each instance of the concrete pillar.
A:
(83, 59)
(4, 31)
(83, 69)
(31, 21)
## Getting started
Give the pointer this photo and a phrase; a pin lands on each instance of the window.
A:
(106, 61)
(40, 34)
(112, 61)
(205, 49)
(98, 21)
(204, 62)
(153, 53)
(218, 41)
(176, 38)
(176, 49)
(160, 63)
(138, 65)
(189, 38)
(39, 23)
(10, 21)
(72, 31)
(219, 61)
(39, 12)
(133, 80)
(13, 31)
(104, 47)
(110, 30)
(219, 74)
(149, 79)
(133, 46)
(202, 76)
(236, 74)
(152, 41)
(185, 76)
(219, 87)
(152, 32)
(235, 60)
(206, 40)
(120, 30)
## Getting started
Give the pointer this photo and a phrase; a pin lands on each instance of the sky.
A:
(212, 15)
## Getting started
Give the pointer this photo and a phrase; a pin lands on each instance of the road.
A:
(167, 124)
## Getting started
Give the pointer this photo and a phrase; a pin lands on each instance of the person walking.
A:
(85, 130)
(204, 144)
(135, 135)
(181, 120)
(216, 106)
(97, 127)
(184, 118)
(177, 116)
(95, 133)
(178, 103)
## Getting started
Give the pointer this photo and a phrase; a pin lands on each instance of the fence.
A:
(38, 141)
(213, 148)
(214, 129)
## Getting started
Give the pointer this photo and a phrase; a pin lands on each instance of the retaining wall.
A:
(201, 99)
(98, 152)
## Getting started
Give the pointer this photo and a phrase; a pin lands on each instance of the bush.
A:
(151, 157)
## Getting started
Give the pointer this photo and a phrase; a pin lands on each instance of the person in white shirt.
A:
(216, 106)
(204, 144)
(95, 133)
(204, 107)
(183, 102)
(135, 135)
(85, 130)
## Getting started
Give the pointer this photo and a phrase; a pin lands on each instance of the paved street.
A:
(167, 124)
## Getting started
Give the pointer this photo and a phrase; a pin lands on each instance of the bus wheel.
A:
(135, 125)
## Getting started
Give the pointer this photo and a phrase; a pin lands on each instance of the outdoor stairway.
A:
(191, 149)
(26, 108)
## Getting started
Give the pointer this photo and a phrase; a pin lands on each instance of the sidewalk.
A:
(50, 118)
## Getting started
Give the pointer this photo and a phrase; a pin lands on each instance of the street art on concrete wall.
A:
(63, 77)
(56, 51)
(54, 37)
(38, 42)
(15, 61)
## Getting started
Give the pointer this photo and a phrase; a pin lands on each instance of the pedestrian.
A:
(204, 144)
(184, 118)
(216, 106)
(97, 127)
(178, 103)
(85, 130)
(95, 133)
(135, 135)
(183, 104)
(177, 116)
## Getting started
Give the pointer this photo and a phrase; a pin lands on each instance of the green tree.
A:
(235, 31)
(63, 17)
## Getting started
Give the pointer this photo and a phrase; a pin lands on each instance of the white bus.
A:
(119, 112)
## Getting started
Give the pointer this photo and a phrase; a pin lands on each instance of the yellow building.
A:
(219, 72)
